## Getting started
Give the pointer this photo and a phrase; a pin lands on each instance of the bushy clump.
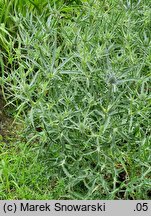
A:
(82, 86)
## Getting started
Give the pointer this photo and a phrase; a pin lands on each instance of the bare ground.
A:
(5, 121)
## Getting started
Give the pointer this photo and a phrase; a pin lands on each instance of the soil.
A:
(5, 121)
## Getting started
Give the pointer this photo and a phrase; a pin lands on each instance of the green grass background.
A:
(76, 75)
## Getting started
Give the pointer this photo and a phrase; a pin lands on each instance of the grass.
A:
(77, 77)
